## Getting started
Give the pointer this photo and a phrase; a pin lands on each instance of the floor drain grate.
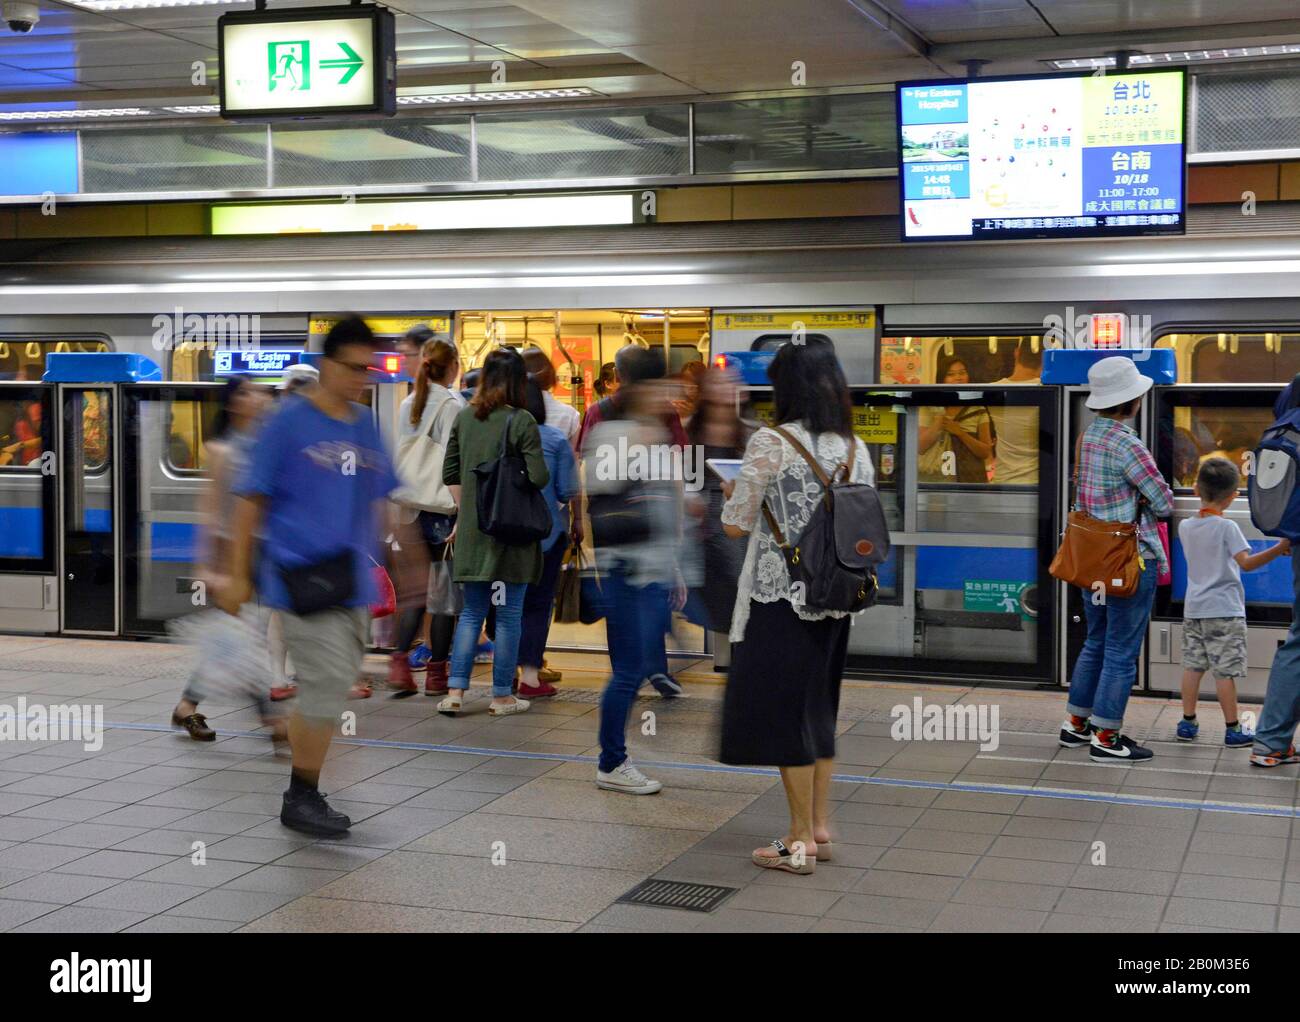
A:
(677, 894)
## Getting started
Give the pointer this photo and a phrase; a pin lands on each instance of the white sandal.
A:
(450, 706)
(785, 860)
(506, 709)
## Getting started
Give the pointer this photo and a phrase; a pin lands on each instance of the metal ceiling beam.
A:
(1097, 43)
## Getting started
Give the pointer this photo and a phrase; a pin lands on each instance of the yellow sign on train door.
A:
(876, 425)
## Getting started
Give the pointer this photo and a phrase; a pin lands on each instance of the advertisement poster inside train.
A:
(1042, 157)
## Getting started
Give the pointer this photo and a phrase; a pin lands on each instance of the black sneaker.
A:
(666, 685)
(311, 814)
(1072, 739)
(1120, 749)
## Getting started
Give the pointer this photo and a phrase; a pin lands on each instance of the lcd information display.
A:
(1042, 157)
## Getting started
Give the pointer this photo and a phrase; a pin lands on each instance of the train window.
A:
(94, 431)
(23, 358)
(20, 434)
(955, 444)
(1204, 431)
(189, 425)
(985, 359)
(1235, 357)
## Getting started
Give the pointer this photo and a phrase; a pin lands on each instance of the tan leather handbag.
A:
(1093, 550)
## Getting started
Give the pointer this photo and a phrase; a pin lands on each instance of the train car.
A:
(966, 594)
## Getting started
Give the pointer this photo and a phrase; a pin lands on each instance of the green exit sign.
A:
(307, 61)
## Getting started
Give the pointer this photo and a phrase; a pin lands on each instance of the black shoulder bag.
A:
(510, 508)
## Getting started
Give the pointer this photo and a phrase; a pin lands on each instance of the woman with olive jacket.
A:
(493, 573)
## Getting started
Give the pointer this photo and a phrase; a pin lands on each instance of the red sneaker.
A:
(361, 689)
(543, 690)
(281, 693)
(399, 675)
(435, 682)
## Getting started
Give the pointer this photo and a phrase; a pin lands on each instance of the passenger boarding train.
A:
(98, 518)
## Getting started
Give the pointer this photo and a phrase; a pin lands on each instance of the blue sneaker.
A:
(665, 684)
(419, 657)
(483, 653)
(1238, 738)
(1188, 730)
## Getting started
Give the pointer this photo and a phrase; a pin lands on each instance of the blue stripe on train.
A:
(1269, 584)
(948, 567)
(22, 534)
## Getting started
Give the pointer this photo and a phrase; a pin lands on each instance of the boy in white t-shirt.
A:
(1214, 608)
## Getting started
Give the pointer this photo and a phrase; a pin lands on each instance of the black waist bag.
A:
(832, 565)
(510, 508)
(619, 519)
(320, 586)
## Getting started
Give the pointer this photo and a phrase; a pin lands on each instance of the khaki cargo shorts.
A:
(326, 649)
(1216, 644)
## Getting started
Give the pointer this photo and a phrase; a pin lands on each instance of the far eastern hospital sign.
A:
(307, 61)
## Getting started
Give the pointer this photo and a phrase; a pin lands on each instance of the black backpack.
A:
(510, 508)
(833, 563)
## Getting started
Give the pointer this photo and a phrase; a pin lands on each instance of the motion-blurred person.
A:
(783, 688)
(297, 379)
(717, 430)
(316, 484)
(427, 505)
(640, 577)
(411, 347)
(539, 600)
(610, 407)
(563, 417)
(1017, 428)
(493, 573)
(606, 383)
(243, 405)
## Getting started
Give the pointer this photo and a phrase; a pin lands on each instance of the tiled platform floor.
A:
(103, 841)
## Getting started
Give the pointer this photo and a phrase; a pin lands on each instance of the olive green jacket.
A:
(478, 557)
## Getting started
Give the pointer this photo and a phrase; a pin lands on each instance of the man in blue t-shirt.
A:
(314, 491)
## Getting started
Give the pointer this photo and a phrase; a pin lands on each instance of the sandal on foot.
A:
(784, 860)
(450, 706)
(506, 709)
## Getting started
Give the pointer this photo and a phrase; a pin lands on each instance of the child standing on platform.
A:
(1214, 608)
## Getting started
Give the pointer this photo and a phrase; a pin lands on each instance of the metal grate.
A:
(1236, 112)
(677, 894)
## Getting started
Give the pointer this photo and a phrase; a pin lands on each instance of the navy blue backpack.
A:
(1274, 496)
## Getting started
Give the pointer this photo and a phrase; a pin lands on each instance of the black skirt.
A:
(783, 688)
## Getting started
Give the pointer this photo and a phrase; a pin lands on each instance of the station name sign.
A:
(306, 61)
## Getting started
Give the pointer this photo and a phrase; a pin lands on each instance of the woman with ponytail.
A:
(426, 508)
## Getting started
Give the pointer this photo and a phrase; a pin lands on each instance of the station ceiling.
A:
(105, 52)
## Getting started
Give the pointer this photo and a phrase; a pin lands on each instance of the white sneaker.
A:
(627, 779)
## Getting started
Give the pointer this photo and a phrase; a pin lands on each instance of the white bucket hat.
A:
(1115, 381)
(299, 374)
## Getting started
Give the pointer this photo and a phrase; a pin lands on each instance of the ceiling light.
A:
(72, 115)
(520, 95)
(1181, 57)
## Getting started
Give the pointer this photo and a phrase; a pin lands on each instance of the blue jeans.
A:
(633, 631)
(1277, 720)
(478, 598)
(1107, 665)
(539, 607)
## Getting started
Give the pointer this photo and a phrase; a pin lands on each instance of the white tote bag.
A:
(419, 465)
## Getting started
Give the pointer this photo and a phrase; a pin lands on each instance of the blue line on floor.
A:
(718, 768)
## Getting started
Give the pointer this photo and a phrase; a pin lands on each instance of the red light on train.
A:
(720, 361)
(392, 363)
(1107, 330)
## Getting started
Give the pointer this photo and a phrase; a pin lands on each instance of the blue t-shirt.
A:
(321, 479)
(562, 487)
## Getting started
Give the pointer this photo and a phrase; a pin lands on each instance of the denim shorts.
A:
(1216, 644)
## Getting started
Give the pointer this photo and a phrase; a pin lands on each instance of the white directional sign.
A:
(307, 61)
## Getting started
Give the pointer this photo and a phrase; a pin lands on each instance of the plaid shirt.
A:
(1114, 468)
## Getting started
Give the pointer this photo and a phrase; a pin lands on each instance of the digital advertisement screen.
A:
(1043, 157)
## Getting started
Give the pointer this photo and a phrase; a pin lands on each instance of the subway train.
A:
(98, 519)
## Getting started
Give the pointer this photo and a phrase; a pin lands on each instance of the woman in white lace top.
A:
(783, 686)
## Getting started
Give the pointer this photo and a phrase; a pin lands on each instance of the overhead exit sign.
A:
(306, 61)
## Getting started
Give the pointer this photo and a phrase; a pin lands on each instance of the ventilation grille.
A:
(677, 894)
